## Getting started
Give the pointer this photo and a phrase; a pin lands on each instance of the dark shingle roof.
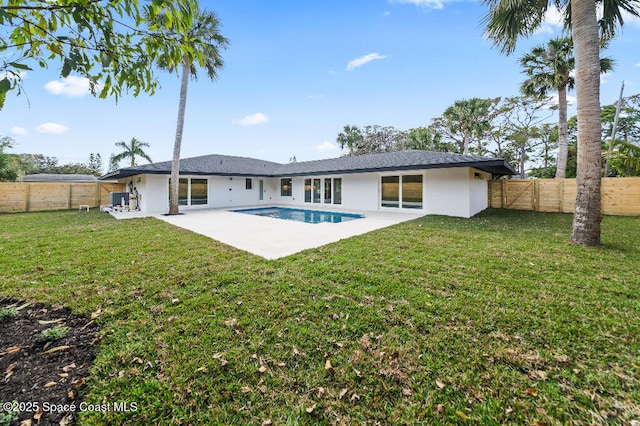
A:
(224, 165)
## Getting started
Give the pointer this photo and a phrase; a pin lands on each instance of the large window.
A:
(412, 192)
(317, 190)
(327, 191)
(285, 187)
(390, 191)
(337, 191)
(307, 190)
(199, 192)
(248, 183)
(192, 192)
(402, 191)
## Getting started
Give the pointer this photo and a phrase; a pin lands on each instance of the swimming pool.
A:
(299, 215)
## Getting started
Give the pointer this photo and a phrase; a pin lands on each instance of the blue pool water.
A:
(307, 216)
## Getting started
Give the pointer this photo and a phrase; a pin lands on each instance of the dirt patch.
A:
(43, 373)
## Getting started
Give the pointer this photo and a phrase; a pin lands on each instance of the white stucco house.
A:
(420, 181)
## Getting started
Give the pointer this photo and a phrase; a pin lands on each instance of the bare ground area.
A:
(42, 375)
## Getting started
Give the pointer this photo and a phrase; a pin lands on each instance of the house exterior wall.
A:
(458, 192)
(478, 190)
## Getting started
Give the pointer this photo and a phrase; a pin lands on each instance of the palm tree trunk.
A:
(175, 162)
(465, 143)
(587, 215)
(563, 145)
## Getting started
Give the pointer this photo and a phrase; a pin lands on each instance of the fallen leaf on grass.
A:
(43, 322)
(231, 322)
(245, 389)
(310, 409)
(69, 367)
(266, 422)
(440, 383)
(262, 369)
(355, 397)
(137, 360)
(50, 384)
(407, 392)
(96, 313)
(343, 393)
(461, 415)
(63, 375)
(56, 349)
(328, 367)
(531, 391)
(26, 422)
(440, 409)
(202, 369)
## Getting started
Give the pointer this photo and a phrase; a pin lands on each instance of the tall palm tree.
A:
(131, 151)
(508, 20)
(469, 118)
(550, 68)
(202, 43)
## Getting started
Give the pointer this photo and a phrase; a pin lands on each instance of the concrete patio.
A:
(273, 238)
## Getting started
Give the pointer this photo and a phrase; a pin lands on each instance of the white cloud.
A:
(638, 65)
(553, 21)
(53, 128)
(252, 120)
(19, 130)
(72, 87)
(358, 62)
(326, 146)
(431, 4)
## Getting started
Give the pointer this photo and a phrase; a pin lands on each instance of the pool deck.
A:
(274, 238)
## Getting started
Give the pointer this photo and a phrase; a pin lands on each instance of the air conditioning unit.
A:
(119, 199)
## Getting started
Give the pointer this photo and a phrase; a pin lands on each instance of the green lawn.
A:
(490, 320)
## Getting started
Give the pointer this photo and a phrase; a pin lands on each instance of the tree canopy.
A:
(109, 42)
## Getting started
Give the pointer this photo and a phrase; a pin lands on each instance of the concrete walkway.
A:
(274, 238)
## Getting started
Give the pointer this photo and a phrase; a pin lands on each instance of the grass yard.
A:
(490, 320)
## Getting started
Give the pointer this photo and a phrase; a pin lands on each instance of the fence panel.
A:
(620, 196)
(39, 196)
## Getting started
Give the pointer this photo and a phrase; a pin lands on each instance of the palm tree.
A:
(550, 68)
(468, 118)
(508, 20)
(131, 151)
(202, 43)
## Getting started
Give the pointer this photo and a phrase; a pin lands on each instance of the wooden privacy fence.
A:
(38, 196)
(620, 196)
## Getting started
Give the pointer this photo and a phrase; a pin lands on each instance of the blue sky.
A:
(295, 73)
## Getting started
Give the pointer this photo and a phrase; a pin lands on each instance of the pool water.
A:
(307, 216)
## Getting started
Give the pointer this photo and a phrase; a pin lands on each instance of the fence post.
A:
(27, 196)
(561, 195)
(535, 195)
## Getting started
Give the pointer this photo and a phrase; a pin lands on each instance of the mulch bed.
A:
(44, 378)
